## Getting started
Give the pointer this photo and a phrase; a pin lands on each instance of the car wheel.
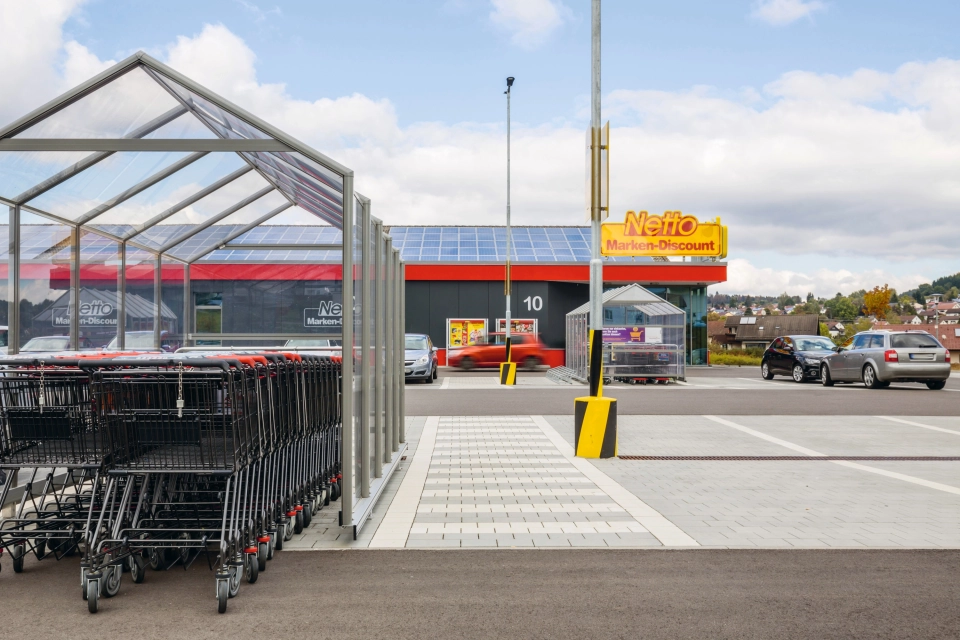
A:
(870, 380)
(434, 372)
(936, 385)
(467, 363)
(765, 371)
(530, 363)
(825, 378)
(797, 373)
(431, 377)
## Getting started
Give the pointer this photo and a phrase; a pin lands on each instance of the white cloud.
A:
(782, 12)
(743, 277)
(862, 165)
(530, 22)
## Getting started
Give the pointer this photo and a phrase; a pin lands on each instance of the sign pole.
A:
(508, 369)
(595, 417)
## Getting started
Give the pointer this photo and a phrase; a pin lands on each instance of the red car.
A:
(527, 352)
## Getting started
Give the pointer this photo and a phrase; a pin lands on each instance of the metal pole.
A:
(378, 352)
(506, 280)
(122, 298)
(348, 463)
(13, 284)
(157, 300)
(75, 290)
(596, 266)
(402, 318)
(188, 308)
(365, 356)
(398, 349)
(390, 333)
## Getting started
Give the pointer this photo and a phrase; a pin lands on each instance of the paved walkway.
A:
(513, 481)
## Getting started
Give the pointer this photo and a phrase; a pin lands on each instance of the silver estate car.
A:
(878, 358)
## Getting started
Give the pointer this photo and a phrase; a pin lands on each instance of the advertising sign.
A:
(517, 325)
(93, 313)
(328, 315)
(647, 335)
(672, 234)
(463, 332)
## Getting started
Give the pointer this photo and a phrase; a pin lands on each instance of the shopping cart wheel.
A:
(288, 529)
(93, 595)
(263, 549)
(110, 582)
(307, 514)
(234, 581)
(154, 559)
(83, 582)
(16, 554)
(222, 590)
(41, 548)
(278, 536)
(251, 567)
(138, 568)
(271, 545)
(298, 523)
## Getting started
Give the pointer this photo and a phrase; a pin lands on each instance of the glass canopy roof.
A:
(142, 155)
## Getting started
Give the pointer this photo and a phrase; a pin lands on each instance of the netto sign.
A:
(328, 314)
(92, 314)
(672, 234)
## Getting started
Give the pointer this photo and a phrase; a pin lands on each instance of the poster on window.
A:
(463, 332)
(517, 325)
(644, 335)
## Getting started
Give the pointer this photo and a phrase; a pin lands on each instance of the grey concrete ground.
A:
(515, 594)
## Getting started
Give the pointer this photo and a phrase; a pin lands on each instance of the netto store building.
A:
(457, 272)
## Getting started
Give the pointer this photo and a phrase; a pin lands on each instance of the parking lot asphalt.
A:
(726, 391)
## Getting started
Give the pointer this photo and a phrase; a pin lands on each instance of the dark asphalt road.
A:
(515, 594)
(807, 399)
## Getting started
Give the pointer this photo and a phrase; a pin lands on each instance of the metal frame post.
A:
(122, 299)
(402, 319)
(158, 300)
(390, 366)
(348, 464)
(596, 265)
(13, 283)
(398, 353)
(366, 232)
(75, 288)
(188, 307)
(506, 279)
(378, 353)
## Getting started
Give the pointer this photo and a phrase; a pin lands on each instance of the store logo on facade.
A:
(672, 234)
(328, 314)
(92, 314)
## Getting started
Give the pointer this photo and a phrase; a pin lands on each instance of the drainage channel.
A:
(797, 458)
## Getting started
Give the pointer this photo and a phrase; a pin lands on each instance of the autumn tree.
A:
(876, 300)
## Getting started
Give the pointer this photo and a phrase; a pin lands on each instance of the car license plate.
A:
(922, 356)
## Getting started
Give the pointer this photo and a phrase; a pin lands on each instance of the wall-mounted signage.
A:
(647, 335)
(463, 332)
(93, 313)
(672, 234)
(328, 314)
(517, 325)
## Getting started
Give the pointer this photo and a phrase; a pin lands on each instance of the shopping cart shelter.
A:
(131, 200)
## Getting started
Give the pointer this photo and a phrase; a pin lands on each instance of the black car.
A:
(796, 356)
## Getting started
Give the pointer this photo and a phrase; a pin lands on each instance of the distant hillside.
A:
(940, 285)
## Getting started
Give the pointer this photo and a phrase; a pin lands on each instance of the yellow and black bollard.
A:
(595, 417)
(508, 369)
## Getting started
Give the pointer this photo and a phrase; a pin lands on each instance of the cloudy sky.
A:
(826, 134)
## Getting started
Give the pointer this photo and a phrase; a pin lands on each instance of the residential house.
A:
(758, 331)
(914, 319)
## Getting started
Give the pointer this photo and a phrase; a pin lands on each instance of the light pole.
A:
(596, 265)
(508, 372)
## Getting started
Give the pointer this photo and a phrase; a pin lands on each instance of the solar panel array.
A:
(416, 244)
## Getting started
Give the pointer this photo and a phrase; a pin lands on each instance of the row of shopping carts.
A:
(153, 461)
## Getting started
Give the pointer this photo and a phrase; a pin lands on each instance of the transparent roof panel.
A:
(112, 175)
(23, 170)
(114, 110)
(218, 202)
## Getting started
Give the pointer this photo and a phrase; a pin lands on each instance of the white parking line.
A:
(917, 424)
(843, 463)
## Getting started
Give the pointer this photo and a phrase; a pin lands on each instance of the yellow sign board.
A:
(672, 234)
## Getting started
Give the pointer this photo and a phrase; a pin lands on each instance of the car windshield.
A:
(913, 341)
(51, 343)
(135, 340)
(312, 342)
(814, 344)
(415, 343)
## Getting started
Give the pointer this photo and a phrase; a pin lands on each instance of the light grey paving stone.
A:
(433, 544)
